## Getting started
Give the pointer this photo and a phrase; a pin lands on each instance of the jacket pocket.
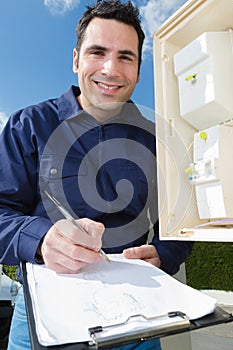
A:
(60, 177)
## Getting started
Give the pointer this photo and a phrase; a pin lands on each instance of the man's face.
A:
(107, 66)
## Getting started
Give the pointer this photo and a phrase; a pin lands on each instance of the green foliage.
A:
(11, 271)
(210, 266)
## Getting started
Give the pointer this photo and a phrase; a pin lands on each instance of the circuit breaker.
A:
(205, 78)
(211, 172)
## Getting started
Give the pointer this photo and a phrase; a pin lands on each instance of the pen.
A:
(69, 217)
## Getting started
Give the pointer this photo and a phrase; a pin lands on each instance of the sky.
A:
(36, 47)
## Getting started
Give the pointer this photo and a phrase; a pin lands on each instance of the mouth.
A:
(108, 87)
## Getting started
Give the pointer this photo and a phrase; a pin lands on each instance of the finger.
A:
(154, 261)
(143, 252)
(75, 254)
(66, 257)
(93, 228)
(62, 269)
(58, 249)
(147, 253)
(66, 264)
(78, 236)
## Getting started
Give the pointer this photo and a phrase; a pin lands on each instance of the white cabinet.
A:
(193, 74)
(205, 70)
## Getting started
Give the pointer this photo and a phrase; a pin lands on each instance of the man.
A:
(96, 154)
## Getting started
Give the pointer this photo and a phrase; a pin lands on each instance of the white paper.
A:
(65, 306)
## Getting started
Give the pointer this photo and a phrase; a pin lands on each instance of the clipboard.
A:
(99, 340)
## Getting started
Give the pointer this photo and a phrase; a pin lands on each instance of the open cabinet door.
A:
(193, 67)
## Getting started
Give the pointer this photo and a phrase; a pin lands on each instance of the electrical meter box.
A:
(205, 78)
(193, 77)
(211, 171)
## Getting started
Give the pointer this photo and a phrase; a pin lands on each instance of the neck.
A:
(102, 113)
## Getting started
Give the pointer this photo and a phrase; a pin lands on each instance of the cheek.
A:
(87, 67)
(131, 75)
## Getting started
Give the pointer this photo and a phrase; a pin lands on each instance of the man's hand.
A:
(144, 252)
(66, 249)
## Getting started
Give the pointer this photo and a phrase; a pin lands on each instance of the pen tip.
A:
(104, 256)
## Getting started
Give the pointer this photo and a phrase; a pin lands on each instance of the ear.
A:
(75, 61)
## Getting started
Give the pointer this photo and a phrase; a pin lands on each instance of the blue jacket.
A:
(106, 172)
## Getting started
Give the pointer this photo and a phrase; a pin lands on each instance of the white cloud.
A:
(60, 7)
(153, 14)
(3, 119)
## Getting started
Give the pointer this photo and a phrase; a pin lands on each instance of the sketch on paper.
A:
(110, 305)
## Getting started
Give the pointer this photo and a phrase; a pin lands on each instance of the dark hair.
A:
(112, 9)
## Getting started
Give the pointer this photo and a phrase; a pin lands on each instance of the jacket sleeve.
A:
(20, 230)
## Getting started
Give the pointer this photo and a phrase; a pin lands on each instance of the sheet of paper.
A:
(65, 306)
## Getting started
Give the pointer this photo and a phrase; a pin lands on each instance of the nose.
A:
(111, 67)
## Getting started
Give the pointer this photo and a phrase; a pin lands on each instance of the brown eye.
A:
(126, 58)
(97, 53)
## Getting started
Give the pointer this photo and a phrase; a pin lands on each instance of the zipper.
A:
(101, 164)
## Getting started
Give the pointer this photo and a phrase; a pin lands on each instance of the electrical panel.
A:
(193, 74)
(205, 76)
(211, 172)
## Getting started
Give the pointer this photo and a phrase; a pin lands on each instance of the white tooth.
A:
(107, 87)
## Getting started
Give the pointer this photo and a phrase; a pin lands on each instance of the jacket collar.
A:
(69, 107)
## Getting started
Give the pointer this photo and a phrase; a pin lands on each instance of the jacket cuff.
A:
(30, 238)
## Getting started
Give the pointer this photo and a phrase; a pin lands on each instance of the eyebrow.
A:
(105, 49)
(128, 52)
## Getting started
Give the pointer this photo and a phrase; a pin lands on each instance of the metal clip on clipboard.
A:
(137, 328)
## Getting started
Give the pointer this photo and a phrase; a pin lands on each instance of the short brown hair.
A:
(112, 9)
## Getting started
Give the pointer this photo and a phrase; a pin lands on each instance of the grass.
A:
(210, 266)
(10, 271)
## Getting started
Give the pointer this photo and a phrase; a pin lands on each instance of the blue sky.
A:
(36, 42)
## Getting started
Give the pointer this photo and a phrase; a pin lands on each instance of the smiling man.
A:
(93, 150)
(107, 66)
